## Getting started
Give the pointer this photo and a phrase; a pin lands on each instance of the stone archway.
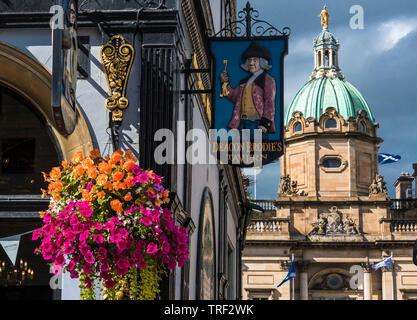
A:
(332, 284)
(29, 78)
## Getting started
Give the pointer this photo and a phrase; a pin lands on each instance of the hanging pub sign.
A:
(248, 91)
(64, 64)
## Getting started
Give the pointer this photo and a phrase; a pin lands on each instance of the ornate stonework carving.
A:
(117, 58)
(332, 223)
(288, 187)
(285, 265)
(378, 186)
(367, 267)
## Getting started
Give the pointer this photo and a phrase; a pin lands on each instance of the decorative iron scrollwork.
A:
(248, 25)
(117, 58)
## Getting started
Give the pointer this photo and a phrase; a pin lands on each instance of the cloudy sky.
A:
(380, 60)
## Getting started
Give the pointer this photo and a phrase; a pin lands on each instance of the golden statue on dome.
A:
(324, 14)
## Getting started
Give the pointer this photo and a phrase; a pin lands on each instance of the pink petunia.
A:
(136, 169)
(89, 258)
(143, 178)
(87, 268)
(109, 284)
(87, 282)
(98, 238)
(84, 235)
(89, 186)
(74, 274)
(152, 248)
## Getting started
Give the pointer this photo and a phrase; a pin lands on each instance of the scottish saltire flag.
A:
(384, 158)
(384, 263)
(290, 275)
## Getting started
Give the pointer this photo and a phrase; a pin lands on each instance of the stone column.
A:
(387, 283)
(367, 281)
(303, 280)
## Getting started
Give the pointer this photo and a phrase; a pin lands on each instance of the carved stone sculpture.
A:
(331, 223)
(378, 186)
(349, 226)
(289, 187)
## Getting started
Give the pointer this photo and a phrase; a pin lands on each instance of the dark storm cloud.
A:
(379, 60)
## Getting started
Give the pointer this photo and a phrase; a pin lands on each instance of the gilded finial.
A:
(324, 14)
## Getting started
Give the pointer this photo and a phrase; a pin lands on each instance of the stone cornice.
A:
(332, 135)
(294, 244)
(285, 201)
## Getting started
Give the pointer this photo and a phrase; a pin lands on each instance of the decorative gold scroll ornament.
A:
(117, 59)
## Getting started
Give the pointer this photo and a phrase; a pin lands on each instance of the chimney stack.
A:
(404, 186)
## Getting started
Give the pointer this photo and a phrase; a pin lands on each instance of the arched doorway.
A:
(29, 144)
(26, 149)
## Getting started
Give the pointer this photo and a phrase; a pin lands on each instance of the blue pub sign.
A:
(248, 92)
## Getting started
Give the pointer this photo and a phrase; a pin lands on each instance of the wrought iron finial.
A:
(248, 25)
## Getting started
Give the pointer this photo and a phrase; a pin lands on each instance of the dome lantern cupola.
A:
(326, 47)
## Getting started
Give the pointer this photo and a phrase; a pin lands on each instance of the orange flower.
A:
(56, 197)
(117, 176)
(86, 195)
(118, 185)
(87, 163)
(101, 194)
(102, 179)
(44, 193)
(116, 157)
(128, 197)
(128, 165)
(104, 167)
(92, 172)
(41, 213)
(116, 205)
(94, 154)
(64, 164)
(46, 177)
(129, 155)
(55, 187)
(78, 171)
(77, 157)
(128, 180)
(108, 185)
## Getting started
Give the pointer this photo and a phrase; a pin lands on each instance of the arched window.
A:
(330, 124)
(206, 264)
(362, 127)
(298, 127)
(326, 58)
(26, 148)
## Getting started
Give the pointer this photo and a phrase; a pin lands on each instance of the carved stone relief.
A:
(332, 223)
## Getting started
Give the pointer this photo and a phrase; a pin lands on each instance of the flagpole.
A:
(393, 279)
(292, 280)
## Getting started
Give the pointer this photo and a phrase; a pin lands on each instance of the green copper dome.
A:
(321, 93)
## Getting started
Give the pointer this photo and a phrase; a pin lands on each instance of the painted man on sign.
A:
(254, 98)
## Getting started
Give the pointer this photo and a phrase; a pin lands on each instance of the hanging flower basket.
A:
(106, 224)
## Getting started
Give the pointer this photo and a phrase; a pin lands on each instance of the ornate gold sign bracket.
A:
(117, 59)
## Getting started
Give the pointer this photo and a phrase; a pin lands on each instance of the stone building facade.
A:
(332, 211)
(170, 39)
